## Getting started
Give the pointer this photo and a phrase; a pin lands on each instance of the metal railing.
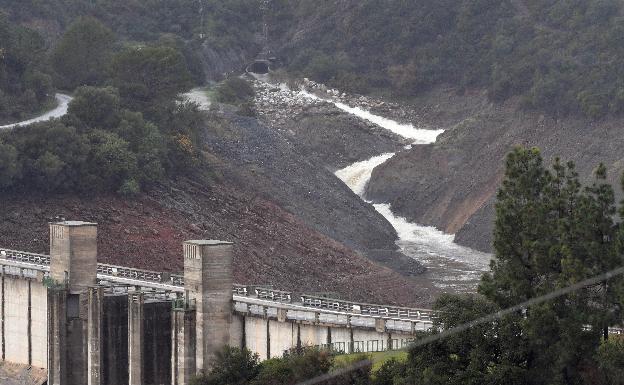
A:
(264, 293)
(22, 256)
(366, 309)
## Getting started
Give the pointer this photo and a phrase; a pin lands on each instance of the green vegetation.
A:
(550, 233)
(82, 55)
(125, 129)
(146, 76)
(238, 92)
(240, 367)
(561, 56)
(229, 23)
(100, 146)
(25, 88)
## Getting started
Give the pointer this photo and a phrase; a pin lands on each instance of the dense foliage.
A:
(234, 366)
(562, 56)
(100, 146)
(24, 85)
(83, 53)
(125, 129)
(224, 22)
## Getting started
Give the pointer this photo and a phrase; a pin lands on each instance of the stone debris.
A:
(277, 104)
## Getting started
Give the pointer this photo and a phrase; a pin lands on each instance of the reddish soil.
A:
(271, 245)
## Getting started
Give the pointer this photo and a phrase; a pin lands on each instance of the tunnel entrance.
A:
(259, 67)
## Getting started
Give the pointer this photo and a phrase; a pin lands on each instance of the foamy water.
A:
(198, 96)
(424, 243)
(451, 266)
(60, 110)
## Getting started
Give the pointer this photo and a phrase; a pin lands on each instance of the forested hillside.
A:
(559, 56)
(25, 85)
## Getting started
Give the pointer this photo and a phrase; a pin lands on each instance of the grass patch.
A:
(378, 358)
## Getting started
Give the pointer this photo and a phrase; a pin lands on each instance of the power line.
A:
(485, 319)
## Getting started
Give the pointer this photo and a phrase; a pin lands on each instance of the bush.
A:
(129, 188)
(235, 91)
(233, 366)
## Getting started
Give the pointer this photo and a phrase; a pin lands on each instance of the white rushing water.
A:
(199, 96)
(60, 110)
(451, 264)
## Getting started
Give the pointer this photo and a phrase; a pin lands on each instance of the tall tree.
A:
(83, 54)
(147, 76)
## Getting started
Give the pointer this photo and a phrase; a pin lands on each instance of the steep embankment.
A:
(272, 245)
(452, 184)
(289, 217)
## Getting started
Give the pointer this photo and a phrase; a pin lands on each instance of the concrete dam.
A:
(85, 322)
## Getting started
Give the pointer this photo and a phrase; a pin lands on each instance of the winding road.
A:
(62, 101)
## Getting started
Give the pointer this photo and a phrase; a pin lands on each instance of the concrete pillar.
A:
(73, 266)
(73, 254)
(208, 281)
(136, 332)
(94, 336)
(183, 346)
(281, 314)
(3, 317)
(57, 337)
(380, 325)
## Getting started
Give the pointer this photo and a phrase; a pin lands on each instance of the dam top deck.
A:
(173, 284)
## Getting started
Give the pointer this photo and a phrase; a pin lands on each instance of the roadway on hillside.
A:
(62, 101)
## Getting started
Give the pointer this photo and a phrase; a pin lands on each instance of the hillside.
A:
(558, 56)
(452, 184)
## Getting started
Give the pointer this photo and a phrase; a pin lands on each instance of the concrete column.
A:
(208, 281)
(3, 317)
(136, 335)
(57, 337)
(183, 346)
(94, 336)
(73, 266)
(281, 314)
(73, 254)
(380, 325)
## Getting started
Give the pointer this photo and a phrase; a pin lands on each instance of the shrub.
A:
(235, 91)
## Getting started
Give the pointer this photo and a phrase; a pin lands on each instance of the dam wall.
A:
(98, 324)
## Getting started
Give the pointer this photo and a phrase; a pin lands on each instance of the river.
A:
(450, 267)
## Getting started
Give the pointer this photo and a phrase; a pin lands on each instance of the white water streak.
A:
(198, 96)
(425, 240)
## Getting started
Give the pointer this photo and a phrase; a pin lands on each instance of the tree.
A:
(96, 107)
(147, 76)
(233, 366)
(9, 166)
(111, 161)
(82, 55)
(551, 233)
(24, 85)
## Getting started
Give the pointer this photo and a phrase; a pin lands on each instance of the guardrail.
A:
(273, 295)
(130, 273)
(259, 292)
(22, 256)
(364, 308)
